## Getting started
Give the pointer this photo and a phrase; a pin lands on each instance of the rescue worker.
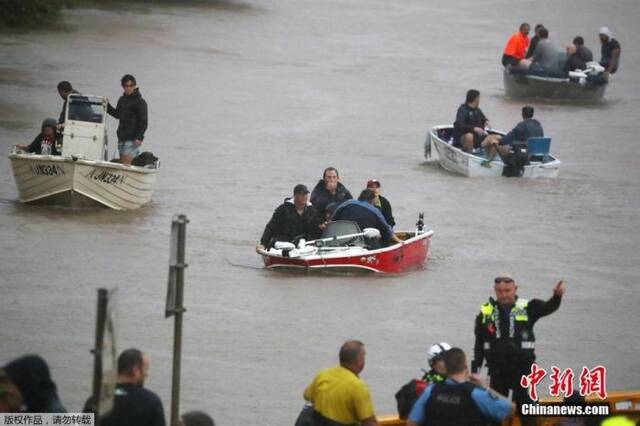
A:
(410, 392)
(505, 338)
(516, 48)
(610, 52)
(366, 215)
(458, 400)
(294, 217)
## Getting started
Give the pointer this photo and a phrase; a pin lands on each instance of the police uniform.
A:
(505, 339)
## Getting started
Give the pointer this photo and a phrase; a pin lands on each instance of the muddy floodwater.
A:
(248, 99)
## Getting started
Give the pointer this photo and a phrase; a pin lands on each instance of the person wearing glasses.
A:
(131, 111)
(504, 335)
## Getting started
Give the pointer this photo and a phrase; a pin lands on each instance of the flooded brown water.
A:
(245, 101)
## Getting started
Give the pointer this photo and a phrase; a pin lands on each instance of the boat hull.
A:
(46, 179)
(457, 161)
(531, 86)
(412, 254)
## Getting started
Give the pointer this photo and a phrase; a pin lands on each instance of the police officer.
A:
(457, 401)
(504, 335)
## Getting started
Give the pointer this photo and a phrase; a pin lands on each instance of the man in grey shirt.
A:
(546, 58)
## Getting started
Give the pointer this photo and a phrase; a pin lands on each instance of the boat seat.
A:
(538, 149)
(343, 227)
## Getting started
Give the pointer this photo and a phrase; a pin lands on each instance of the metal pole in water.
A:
(178, 310)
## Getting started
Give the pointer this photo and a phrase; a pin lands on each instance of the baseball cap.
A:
(300, 189)
(373, 182)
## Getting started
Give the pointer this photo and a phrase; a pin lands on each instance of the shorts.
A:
(128, 148)
(477, 141)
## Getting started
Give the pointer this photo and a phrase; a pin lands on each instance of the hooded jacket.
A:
(286, 224)
(131, 110)
(321, 197)
(36, 146)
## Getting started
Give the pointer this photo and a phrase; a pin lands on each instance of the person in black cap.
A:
(294, 217)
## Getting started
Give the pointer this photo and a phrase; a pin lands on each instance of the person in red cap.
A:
(380, 202)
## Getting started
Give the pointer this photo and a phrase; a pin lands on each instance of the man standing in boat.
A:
(294, 217)
(131, 111)
(329, 190)
(610, 52)
(469, 128)
(504, 335)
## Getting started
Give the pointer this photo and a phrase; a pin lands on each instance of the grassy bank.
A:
(29, 14)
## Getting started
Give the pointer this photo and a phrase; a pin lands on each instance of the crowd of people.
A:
(539, 55)
(26, 386)
(304, 216)
(130, 110)
(451, 392)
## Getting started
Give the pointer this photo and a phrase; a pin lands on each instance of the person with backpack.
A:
(411, 391)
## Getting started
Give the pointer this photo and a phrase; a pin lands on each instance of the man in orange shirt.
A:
(516, 48)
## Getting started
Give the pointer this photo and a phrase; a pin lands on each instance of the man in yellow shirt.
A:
(338, 395)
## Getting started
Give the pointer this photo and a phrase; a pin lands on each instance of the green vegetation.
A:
(29, 13)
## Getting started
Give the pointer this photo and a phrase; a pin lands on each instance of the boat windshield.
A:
(84, 109)
(342, 227)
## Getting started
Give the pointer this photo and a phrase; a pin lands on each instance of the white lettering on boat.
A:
(105, 176)
(47, 169)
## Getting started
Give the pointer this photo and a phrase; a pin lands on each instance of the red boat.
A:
(345, 248)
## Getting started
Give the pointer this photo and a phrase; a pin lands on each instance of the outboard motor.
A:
(420, 224)
(515, 160)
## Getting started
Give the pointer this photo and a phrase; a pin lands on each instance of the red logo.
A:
(591, 381)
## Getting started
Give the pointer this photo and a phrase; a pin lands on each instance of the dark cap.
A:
(373, 182)
(300, 189)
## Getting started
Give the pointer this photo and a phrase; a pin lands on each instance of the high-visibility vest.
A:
(517, 46)
(520, 328)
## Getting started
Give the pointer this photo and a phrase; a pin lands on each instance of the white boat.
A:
(539, 163)
(81, 176)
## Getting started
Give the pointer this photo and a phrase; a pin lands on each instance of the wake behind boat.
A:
(539, 161)
(345, 248)
(81, 176)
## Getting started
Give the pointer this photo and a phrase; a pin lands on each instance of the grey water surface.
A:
(248, 99)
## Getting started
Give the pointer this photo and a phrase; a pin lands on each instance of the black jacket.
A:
(385, 208)
(321, 197)
(132, 112)
(64, 107)
(36, 146)
(466, 119)
(509, 353)
(135, 406)
(286, 224)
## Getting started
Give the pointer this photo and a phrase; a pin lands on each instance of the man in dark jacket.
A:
(529, 127)
(504, 335)
(366, 215)
(380, 202)
(329, 191)
(296, 216)
(468, 129)
(131, 110)
(610, 52)
(64, 90)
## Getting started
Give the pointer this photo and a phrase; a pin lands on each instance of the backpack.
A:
(408, 395)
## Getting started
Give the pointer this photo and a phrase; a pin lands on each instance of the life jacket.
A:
(452, 405)
(520, 339)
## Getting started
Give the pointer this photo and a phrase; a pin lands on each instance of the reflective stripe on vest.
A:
(517, 313)
(528, 345)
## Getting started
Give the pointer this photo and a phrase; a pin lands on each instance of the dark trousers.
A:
(504, 380)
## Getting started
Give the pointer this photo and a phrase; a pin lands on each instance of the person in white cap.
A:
(610, 52)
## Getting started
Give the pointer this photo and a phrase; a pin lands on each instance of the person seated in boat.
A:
(294, 217)
(582, 51)
(329, 190)
(366, 215)
(47, 140)
(534, 41)
(529, 127)
(546, 58)
(516, 48)
(610, 52)
(381, 203)
(469, 127)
